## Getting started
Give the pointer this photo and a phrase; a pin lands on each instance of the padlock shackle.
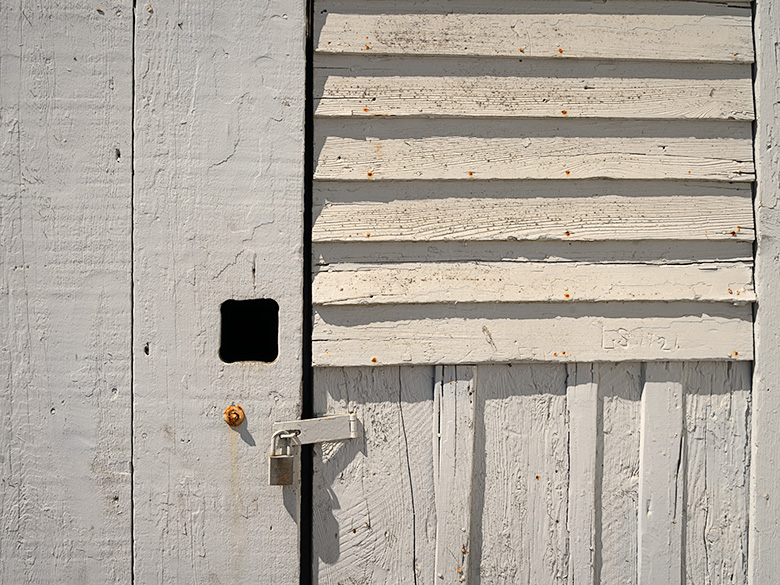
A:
(282, 434)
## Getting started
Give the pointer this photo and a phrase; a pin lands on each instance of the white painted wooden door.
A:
(533, 281)
(152, 168)
(218, 198)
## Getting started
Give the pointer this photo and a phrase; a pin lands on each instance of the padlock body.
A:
(280, 469)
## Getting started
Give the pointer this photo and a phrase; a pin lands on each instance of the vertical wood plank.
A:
(662, 476)
(374, 497)
(717, 415)
(519, 533)
(621, 390)
(764, 562)
(455, 388)
(65, 168)
(585, 457)
(219, 115)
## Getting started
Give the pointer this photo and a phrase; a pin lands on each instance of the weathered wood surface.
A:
(629, 30)
(585, 461)
(619, 393)
(557, 473)
(218, 196)
(552, 210)
(517, 282)
(65, 217)
(717, 430)
(484, 88)
(375, 497)
(661, 476)
(765, 446)
(442, 151)
(474, 333)
(454, 403)
(542, 149)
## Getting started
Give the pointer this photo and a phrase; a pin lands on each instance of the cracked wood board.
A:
(372, 150)
(578, 210)
(65, 224)
(507, 282)
(633, 30)
(361, 87)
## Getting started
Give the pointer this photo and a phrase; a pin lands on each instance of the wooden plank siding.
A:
(583, 473)
(219, 114)
(65, 293)
(472, 161)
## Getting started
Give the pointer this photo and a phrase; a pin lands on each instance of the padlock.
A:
(280, 464)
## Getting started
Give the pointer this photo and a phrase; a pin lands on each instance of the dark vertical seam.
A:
(409, 471)
(306, 523)
(132, 296)
(682, 473)
(757, 173)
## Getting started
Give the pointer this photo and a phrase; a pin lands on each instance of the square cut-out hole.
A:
(250, 331)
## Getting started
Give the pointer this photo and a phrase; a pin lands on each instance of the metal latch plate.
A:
(331, 427)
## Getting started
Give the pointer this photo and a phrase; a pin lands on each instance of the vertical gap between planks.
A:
(306, 526)
(132, 294)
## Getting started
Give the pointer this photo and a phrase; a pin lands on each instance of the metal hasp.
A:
(331, 427)
(287, 434)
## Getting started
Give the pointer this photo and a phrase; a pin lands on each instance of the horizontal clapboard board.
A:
(412, 87)
(627, 30)
(500, 182)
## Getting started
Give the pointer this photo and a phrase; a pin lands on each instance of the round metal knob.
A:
(234, 415)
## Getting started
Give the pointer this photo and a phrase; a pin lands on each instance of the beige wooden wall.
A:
(536, 182)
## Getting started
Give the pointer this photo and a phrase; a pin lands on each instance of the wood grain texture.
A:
(507, 282)
(764, 563)
(455, 404)
(620, 391)
(717, 417)
(482, 211)
(464, 333)
(219, 164)
(661, 476)
(585, 467)
(542, 149)
(65, 201)
(522, 445)
(360, 87)
(559, 455)
(374, 498)
(670, 31)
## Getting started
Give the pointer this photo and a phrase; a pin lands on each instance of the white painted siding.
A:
(623, 472)
(474, 160)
